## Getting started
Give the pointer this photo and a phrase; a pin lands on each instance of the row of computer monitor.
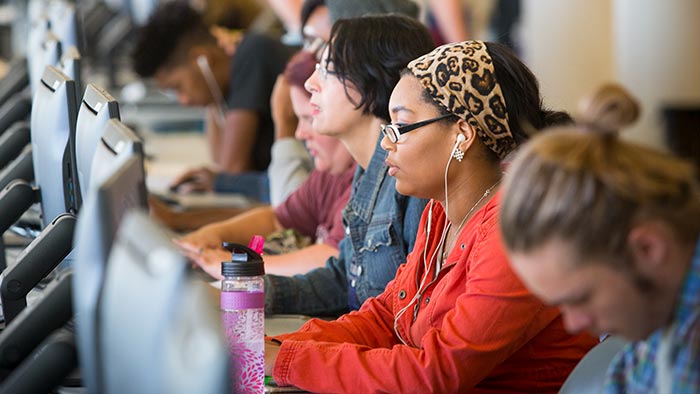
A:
(88, 163)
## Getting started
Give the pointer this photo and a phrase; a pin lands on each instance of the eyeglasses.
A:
(313, 44)
(394, 131)
(324, 71)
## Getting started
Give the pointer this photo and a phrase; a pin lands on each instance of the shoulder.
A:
(253, 41)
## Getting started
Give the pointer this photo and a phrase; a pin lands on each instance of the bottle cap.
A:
(244, 261)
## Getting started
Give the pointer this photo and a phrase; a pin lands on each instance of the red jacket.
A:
(477, 328)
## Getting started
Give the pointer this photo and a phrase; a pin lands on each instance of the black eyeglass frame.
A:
(394, 131)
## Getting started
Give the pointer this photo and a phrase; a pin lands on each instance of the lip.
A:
(392, 168)
(315, 108)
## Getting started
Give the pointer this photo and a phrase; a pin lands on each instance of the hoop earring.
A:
(458, 154)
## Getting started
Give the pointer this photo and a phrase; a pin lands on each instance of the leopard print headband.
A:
(461, 78)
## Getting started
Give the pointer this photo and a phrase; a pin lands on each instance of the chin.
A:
(406, 191)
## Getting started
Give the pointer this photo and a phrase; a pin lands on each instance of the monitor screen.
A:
(158, 330)
(52, 123)
(96, 109)
(118, 185)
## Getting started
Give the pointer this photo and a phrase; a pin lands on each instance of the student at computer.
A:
(314, 210)
(455, 318)
(609, 231)
(379, 223)
(178, 49)
(290, 163)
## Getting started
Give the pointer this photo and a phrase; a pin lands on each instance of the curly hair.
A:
(169, 33)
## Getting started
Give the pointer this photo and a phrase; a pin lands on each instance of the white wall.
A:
(651, 46)
(567, 45)
(658, 56)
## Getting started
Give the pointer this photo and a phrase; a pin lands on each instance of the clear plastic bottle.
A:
(243, 317)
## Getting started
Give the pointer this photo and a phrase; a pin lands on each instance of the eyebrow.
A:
(399, 108)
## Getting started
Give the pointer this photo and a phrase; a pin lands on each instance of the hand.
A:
(272, 349)
(209, 260)
(282, 112)
(227, 39)
(204, 238)
(195, 180)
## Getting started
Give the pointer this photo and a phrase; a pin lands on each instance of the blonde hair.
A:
(585, 186)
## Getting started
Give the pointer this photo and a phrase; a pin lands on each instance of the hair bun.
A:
(609, 109)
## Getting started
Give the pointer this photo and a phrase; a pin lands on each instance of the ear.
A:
(649, 245)
(469, 135)
(197, 51)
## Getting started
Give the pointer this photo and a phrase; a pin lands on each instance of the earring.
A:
(458, 154)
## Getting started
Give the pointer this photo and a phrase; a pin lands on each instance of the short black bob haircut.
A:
(370, 53)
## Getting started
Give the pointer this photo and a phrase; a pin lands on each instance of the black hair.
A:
(521, 92)
(308, 8)
(371, 51)
(173, 28)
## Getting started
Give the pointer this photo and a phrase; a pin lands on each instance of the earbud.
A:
(456, 152)
(460, 138)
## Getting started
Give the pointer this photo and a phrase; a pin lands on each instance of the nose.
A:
(311, 84)
(183, 99)
(386, 144)
(303, 132)
(576, 320)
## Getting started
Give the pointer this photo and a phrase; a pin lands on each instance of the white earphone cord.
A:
(427, 266)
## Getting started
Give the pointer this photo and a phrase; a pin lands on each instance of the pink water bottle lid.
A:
(257, 242)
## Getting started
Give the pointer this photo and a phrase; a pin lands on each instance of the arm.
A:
(450, 19)
(291, 162)
(492, 318)
(236, 142)
(321, 292)
(300, 261)
(290, 166)
(237, 229)
(213, 133)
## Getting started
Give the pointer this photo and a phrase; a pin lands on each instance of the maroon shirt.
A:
(316, 208)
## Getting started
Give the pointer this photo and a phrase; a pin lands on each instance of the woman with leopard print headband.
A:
(455, 318)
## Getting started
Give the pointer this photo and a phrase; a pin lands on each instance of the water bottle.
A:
(243, 315)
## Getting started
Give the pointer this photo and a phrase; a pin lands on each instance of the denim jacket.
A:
(380, 230)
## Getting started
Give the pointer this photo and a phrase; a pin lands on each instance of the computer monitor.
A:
(70, 64)
(52, 123)
(118, 184)
(64, 22)
(47, 52)
(96, 109)
(158, 330)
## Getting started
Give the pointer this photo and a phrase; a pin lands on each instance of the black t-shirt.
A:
(258, 61)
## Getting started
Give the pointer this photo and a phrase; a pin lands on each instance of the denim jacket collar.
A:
(368, 183)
